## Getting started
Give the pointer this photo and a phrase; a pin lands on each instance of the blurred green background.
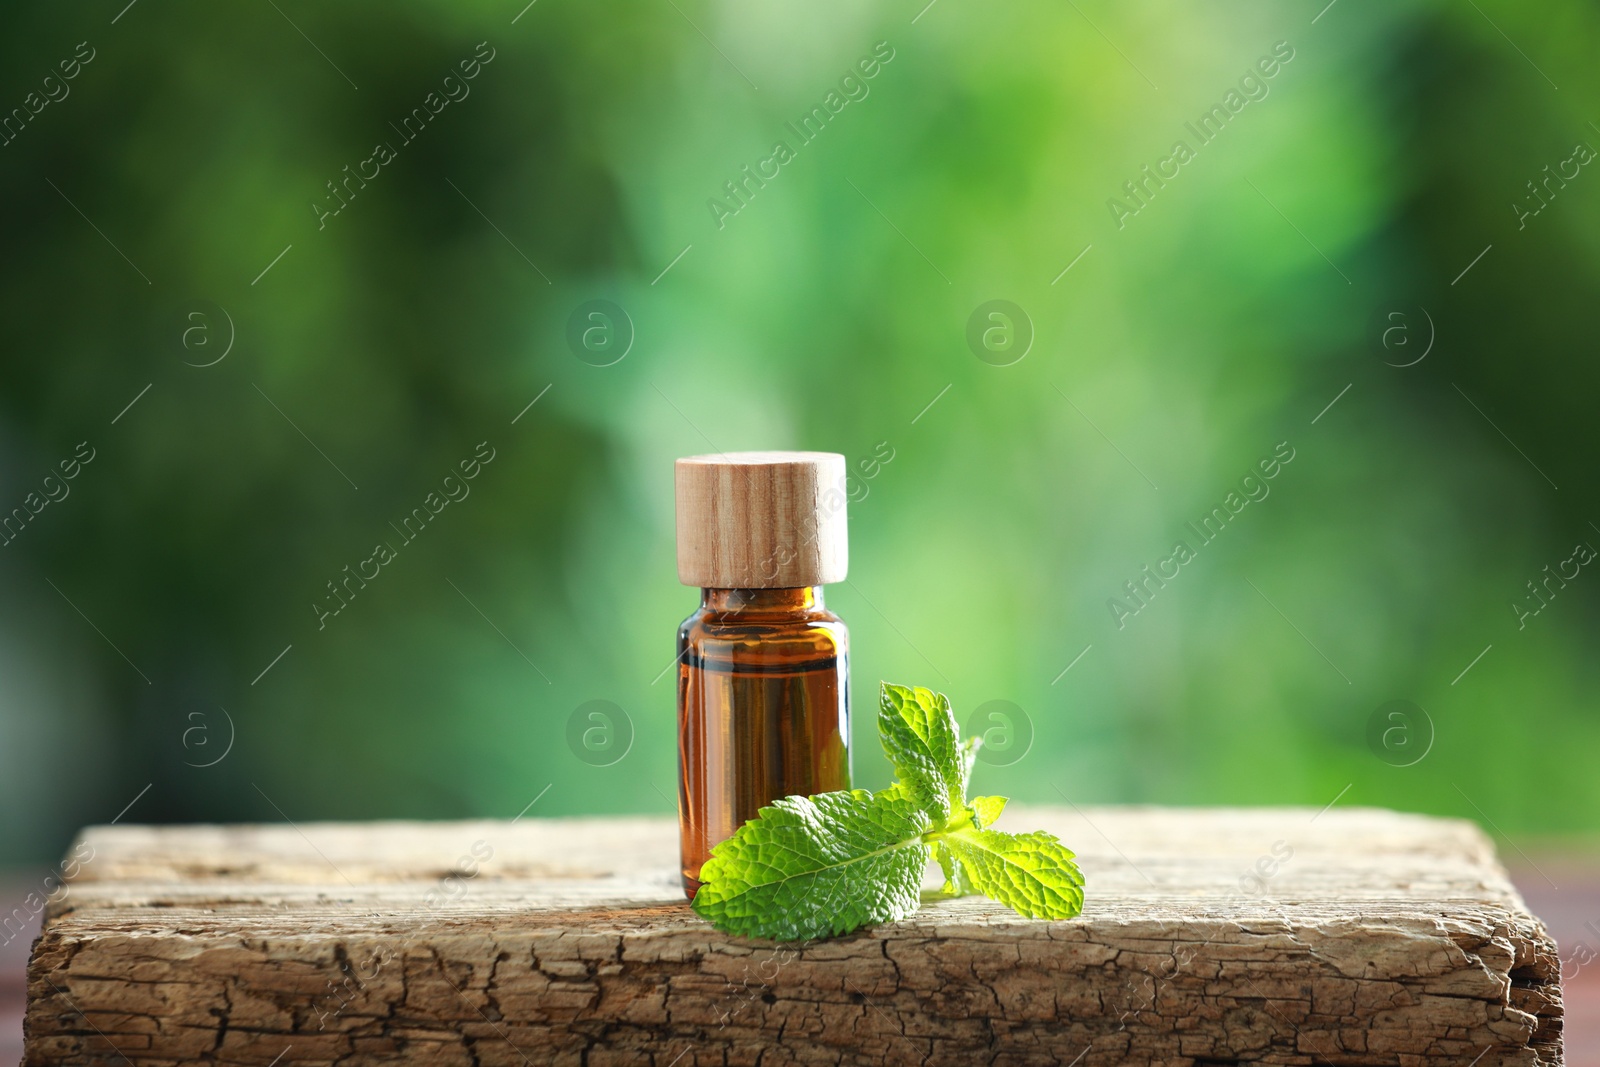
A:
(1179, 349)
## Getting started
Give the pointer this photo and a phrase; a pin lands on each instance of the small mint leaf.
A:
(985, 810)
(968, 755)
(818, 866)
(920, 738)
(1032, 874)
(956, 882)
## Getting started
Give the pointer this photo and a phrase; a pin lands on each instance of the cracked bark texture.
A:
(1208, 936)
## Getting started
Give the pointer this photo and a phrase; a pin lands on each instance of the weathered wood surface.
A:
(1376, 938)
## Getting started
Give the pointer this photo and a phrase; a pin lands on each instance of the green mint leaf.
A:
(1032, 874)
(809, 867)
(818, 866)
(985, 810)
(968, 755)
(920, 738)
(956, 882)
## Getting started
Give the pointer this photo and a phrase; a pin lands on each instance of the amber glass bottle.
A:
(763, 674)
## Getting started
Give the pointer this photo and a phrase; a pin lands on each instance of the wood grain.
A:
(1379, 938)
(762, 520)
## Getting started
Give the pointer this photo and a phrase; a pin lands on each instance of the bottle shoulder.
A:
(818, 630)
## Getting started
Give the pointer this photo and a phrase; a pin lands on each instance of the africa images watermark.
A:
(1581, 155)
(599, 733)
(1582, 953)
(854, 87)
(1140, 590)
(55, 490)
(833, 498)
(1252, 86)
(1582, 554)
(15, 924)
(383, 553)
(384, 153)
(55, 89)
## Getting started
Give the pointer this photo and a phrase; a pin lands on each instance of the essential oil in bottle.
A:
(763, 665)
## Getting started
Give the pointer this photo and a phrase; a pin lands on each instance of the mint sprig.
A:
(820, 866)
(918, 732)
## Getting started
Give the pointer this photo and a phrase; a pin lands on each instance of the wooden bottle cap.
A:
(761, 520)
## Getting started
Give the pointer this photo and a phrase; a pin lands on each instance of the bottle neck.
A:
(763, 601)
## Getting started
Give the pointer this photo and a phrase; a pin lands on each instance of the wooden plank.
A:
(1347, 937)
